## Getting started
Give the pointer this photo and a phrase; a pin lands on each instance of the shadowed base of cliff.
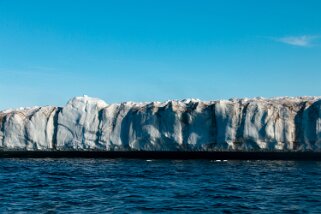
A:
(175, 155)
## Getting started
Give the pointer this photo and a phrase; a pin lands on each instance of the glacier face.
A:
(238, 124)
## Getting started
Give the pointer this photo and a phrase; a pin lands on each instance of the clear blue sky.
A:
(150, 50)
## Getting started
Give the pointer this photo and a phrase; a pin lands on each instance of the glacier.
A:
(90, 124)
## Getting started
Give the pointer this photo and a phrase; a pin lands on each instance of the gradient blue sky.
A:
(150, 50)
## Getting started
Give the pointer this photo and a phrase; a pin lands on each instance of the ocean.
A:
(158, 186)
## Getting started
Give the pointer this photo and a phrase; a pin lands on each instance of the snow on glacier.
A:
(85, 123)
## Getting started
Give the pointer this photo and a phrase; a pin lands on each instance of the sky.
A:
(53, 50)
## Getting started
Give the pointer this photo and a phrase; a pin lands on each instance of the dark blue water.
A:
(139, 186)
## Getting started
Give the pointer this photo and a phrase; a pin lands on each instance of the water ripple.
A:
(127, 186)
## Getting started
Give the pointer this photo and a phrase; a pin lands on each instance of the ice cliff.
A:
(238, 124)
